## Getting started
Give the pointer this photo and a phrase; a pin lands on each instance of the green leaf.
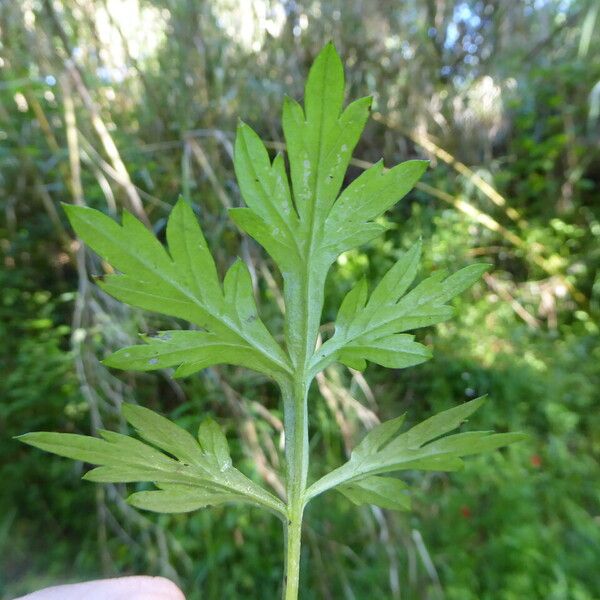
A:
(304, 222)
(386, 492)
(393, 351)
(203, 468)
(189, 351)
(115, 450)
(181, 283)
(164, 434)
(369, 196)
(271, 217)
(320, 139)
(306, 227)
(422, 447)
(474, 442)
(188, 250)
(136, 474)
(397, 280)
(378, 436)
(439, 424)
(373, 330)
(178, 499)
(267, 236)
(213, 441)
(353, 303)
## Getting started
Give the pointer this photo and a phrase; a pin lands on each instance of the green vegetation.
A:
(503, 100)
(305, 227)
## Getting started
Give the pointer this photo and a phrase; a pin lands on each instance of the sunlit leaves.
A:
(306, 225)
(367, 197)
(372, 329)
(270, 217)
(304, 229)
(183, 283)
(422, 447)
(304, 221)
(320, 138)
(189, 473)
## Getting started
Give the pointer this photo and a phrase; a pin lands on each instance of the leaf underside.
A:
(424, 447)
(189, 473)
(304, 221)
(180, 282)
(373, 327)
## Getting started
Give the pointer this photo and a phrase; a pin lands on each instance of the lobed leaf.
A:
(181, 283)
(373, 329)
(393, 351)
(439, 424)
(164, 434)
(270, 217)
(306, 227)
(353, 303)
(320, 139)
(137, 474)
(422, 447)
(77, 447)
(397, 280)
(188, 250)
(194, 473)
(378, 436)
(189, 351)
(367, 197)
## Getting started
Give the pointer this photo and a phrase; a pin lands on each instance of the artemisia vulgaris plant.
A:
(304, 222)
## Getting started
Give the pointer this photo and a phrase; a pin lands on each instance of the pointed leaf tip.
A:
(181, 201)
(329, 47)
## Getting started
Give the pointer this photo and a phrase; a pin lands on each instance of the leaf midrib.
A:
(310, 246)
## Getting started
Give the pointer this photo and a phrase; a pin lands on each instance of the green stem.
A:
(296, 447)
(303, 301)
(293, 540)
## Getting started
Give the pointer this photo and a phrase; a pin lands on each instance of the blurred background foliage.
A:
(126, 103)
